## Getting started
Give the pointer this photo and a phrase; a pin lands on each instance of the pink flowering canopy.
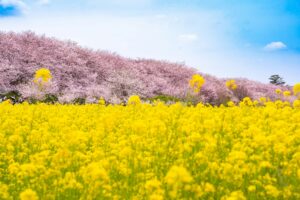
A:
(84, 73)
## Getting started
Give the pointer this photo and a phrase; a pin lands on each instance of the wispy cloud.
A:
(275, 46)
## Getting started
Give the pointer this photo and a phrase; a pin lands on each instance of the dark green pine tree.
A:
(276, 80)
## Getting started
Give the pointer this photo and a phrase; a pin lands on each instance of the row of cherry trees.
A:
(85, 73)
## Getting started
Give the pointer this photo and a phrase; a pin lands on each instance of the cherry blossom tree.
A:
(84, 73)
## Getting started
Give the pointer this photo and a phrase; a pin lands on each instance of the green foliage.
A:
(164, 98)
(50, 98)
(79, 101)
(14, 96)
(276, 80)
(32, 100)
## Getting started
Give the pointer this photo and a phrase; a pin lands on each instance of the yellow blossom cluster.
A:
(278, 91)
(196, 83)
(155, 152)
(296, 89)
(287, 93)
(101, 101)
(134, 100)
(230, 84)
(42, 76)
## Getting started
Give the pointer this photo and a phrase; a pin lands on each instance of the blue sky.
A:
(232, 38)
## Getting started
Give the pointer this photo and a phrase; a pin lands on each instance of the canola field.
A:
(144, 151)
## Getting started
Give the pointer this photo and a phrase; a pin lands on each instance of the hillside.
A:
(84, 73)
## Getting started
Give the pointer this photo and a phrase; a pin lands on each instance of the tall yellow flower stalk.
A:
(196, 83)
(42, 77)
(231, 85)
(134, 100)
(296, 90)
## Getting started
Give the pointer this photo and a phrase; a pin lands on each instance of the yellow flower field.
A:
(144, 151)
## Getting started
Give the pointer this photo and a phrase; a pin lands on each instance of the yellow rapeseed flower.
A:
(4, 193)
(278, 91)
(101, 101)
(178, 174)
(6, 102)
(296, 104)
(196, 83)
(246, 102)
(149, 151)
(28, 194)
(42, 76)
(208, 187)
(252, 188)
(287, 93)
(230, 84)
(272, 191)
(230, 104)
(153, 184)
(296, 89)
(134, 100)
(236, 195)
(263, 99)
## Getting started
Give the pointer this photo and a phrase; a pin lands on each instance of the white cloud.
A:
(274, 46)
(188, 37)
